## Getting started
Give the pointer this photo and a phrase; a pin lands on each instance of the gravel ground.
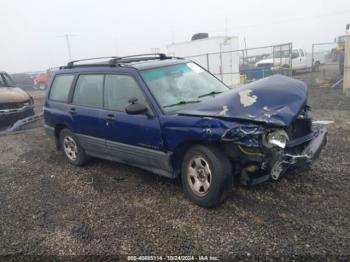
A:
(50, 207)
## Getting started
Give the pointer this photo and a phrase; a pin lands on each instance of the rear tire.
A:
(206, 174)
(72, 149)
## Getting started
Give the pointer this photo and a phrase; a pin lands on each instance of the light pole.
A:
(67, 36)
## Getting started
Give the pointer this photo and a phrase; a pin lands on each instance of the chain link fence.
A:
(328, 63)
(235, 67)
(327, 57)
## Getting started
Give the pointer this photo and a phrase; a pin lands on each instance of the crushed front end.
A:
(263, 153)
(10, 112)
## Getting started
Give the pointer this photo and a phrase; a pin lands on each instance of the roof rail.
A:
(138, 58)
(71, 63)
(115, 60)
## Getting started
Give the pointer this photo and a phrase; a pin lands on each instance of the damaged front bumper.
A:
(10, 116)
(299, 153)
(306, 157)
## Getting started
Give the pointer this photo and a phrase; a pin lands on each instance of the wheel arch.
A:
(180, 151)
(58, 129)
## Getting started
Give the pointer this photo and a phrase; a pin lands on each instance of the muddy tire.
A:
(206, 175)
(72, 149)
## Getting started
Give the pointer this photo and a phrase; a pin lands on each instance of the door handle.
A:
(110, 117)
(73, 111)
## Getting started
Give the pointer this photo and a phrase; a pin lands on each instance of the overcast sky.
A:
(30, 29)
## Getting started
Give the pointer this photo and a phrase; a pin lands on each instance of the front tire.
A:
(206, 176)
(72, 149)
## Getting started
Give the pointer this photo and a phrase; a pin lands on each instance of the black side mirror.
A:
(135, 108)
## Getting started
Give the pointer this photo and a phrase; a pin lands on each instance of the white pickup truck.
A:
(299, 60)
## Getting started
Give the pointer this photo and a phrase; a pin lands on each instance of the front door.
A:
(298, 61)
(134, 139)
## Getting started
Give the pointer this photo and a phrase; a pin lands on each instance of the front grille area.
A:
(5, 106)
(300, 127)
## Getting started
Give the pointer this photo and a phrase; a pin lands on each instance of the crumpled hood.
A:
(275, 100)
(12, 95)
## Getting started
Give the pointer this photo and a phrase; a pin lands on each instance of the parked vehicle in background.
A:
(22, 80)
(173, 118)
(41, 81)
(340, 43)
(15, 103)
(298, 59)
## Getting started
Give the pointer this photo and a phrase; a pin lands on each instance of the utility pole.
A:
(226, 26)
(67, 36)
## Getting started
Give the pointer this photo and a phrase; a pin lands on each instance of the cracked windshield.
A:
(176, 86)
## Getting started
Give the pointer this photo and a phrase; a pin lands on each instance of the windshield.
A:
(6, 80)
(177, 86)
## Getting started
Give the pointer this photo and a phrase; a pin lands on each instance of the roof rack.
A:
(115, 60)
(71, 63)
(138, 58)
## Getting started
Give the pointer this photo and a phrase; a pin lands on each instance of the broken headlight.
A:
(278, 138)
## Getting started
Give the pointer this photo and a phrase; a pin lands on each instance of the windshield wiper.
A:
(183, 103)
(210, 94)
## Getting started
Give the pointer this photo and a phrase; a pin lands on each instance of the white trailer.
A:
(214, 54)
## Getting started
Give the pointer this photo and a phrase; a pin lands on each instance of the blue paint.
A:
(279, 100)
(256, 73)
(274, 102)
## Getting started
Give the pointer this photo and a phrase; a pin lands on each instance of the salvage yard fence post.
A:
(346, 77)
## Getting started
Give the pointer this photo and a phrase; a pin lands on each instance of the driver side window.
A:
(119, 89)
(295, 54)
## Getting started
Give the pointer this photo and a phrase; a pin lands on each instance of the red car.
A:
(41, 81)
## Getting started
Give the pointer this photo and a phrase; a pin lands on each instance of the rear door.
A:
(57, 104)
(86, 112)
(134, 139)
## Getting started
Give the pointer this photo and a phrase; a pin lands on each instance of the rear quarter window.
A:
(60, 88)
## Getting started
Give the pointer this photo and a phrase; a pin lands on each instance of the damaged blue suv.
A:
(172, 117)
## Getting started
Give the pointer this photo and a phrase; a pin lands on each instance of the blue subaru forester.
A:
(172, 117)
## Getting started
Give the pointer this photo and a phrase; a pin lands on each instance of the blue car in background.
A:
(173, 118)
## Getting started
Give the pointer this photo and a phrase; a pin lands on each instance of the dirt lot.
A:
(50, 207)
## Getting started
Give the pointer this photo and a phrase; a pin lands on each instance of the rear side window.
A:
(119, 89)
(60, 88)
(89, 91)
